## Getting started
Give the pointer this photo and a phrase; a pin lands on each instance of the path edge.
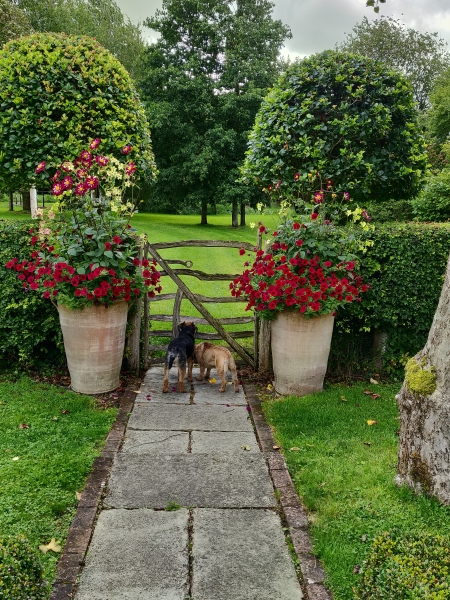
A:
(71, 561)
(293, 510)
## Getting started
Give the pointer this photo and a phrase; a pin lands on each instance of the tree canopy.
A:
(14, 22)
(202, 82)
(421, 57)
(100, 19)
(57, 93)
(346, 117)
(438, 117)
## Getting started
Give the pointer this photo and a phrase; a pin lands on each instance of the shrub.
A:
(410, 567)
(30, 335)
(57, 92)
(20, 571)
(405, 268)
(344, 116)
(433, 203)
(385, 212)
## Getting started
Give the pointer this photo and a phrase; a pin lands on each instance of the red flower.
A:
(327, 263)
(296, 176)
(296, 226)
(101, 160)
(314, 216)
(95, 144)
(80, 189)
(116, 239)
(299, 242)
(136, 262)
(67, 182)
(57, 189)
(91, 182)
(242, 251)
(127, 149)
(40, 167)
(107, 245)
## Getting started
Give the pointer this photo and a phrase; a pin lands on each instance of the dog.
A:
(209, 356)
(181, 352)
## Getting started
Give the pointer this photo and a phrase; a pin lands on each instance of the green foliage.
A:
(433, 203)
(405, 268)
(438, 117)
(58, 92)
(202, 83)
(346, 117)
(14, 22)
(421, 57)
(20, 571)
(413, 566)
(384, 212)
(30, 335)
(100, 19)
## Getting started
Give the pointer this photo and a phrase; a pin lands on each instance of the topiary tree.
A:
(57, 92)
(347, 117)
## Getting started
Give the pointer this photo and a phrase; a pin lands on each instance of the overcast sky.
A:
(319, 24)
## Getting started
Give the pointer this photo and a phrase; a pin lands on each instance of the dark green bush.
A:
(405, 268)
(30, 335)
(433, 203)
(386, 212)
(406, 568)
(20, 571)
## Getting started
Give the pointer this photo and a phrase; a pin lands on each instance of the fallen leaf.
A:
(24, 426)
(367, 392)
(270, 386)
(363, 537)
(294, 449)
(356, 569)
(78, 495)
(212, 380)
(245, 447)
(356, 404)
(16, 458)
(374, 381)
(310, 445)
(344, 399)
(397, 432)
(54, 418)
(148, 397)
(372, 422)
(227, 404)
(367, 443)
(375, 396)
(276, 447)
(65, 411)
(52, 545)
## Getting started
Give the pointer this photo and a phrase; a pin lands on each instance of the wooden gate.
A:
(199, 301)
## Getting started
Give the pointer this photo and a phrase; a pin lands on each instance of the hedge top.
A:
(57, 92)
(345, 116)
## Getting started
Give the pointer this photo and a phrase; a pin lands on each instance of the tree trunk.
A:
(424, 404)
(11, 201)
(26, 201)
(234, 213)
(204, 219)
(242, 214)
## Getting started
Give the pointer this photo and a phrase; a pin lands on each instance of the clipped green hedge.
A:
(410, 567)
(20, 571)
(405, 268)
(30, 336)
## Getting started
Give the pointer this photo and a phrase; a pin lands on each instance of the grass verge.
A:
(343, 470)
(49, 439)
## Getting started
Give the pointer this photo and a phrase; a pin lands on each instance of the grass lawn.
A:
(343, 470)
(49, 439)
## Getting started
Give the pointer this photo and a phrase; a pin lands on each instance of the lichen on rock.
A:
(420, 377)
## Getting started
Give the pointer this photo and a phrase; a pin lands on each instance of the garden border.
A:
(294, 512)
(72, 558)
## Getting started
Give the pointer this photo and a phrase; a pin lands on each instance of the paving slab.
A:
(223, 442)
(151, 388)
(203, 480)
(137, 555)
(241, 555)
(149, 442)
(192, 417)
(208, 393)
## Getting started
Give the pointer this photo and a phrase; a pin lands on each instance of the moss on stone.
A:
(420, 378)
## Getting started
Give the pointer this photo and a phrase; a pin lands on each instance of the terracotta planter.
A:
(94, 340)
(300, 349)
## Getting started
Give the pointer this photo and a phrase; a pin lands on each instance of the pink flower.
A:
(346, 196)
(130, 168)
(91, 182)
(127, 149)
(116, 239)
(80, 189)
(107, 245)
(81, 173)
(67, 182)
(55, 176)
(318, 197)
(95, 144)
(66, 166)
(101, 160)
(57, 189)
(86, 157)
(40, 167)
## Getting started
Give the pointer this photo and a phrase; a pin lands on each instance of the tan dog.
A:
(209, 357)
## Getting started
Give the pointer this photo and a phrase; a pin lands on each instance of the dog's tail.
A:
(170, 358)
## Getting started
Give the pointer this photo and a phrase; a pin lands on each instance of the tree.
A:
(346, 117)
(202, 83)
(14, 22)
(100, 19)
(375, 4)
(58, 92)
(421, 57)
(438, 117)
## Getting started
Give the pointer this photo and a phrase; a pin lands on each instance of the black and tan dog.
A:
(209, 357)
(180, 352)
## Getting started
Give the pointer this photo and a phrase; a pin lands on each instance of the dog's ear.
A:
(180, 326)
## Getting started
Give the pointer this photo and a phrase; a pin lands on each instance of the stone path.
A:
(191, 512)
